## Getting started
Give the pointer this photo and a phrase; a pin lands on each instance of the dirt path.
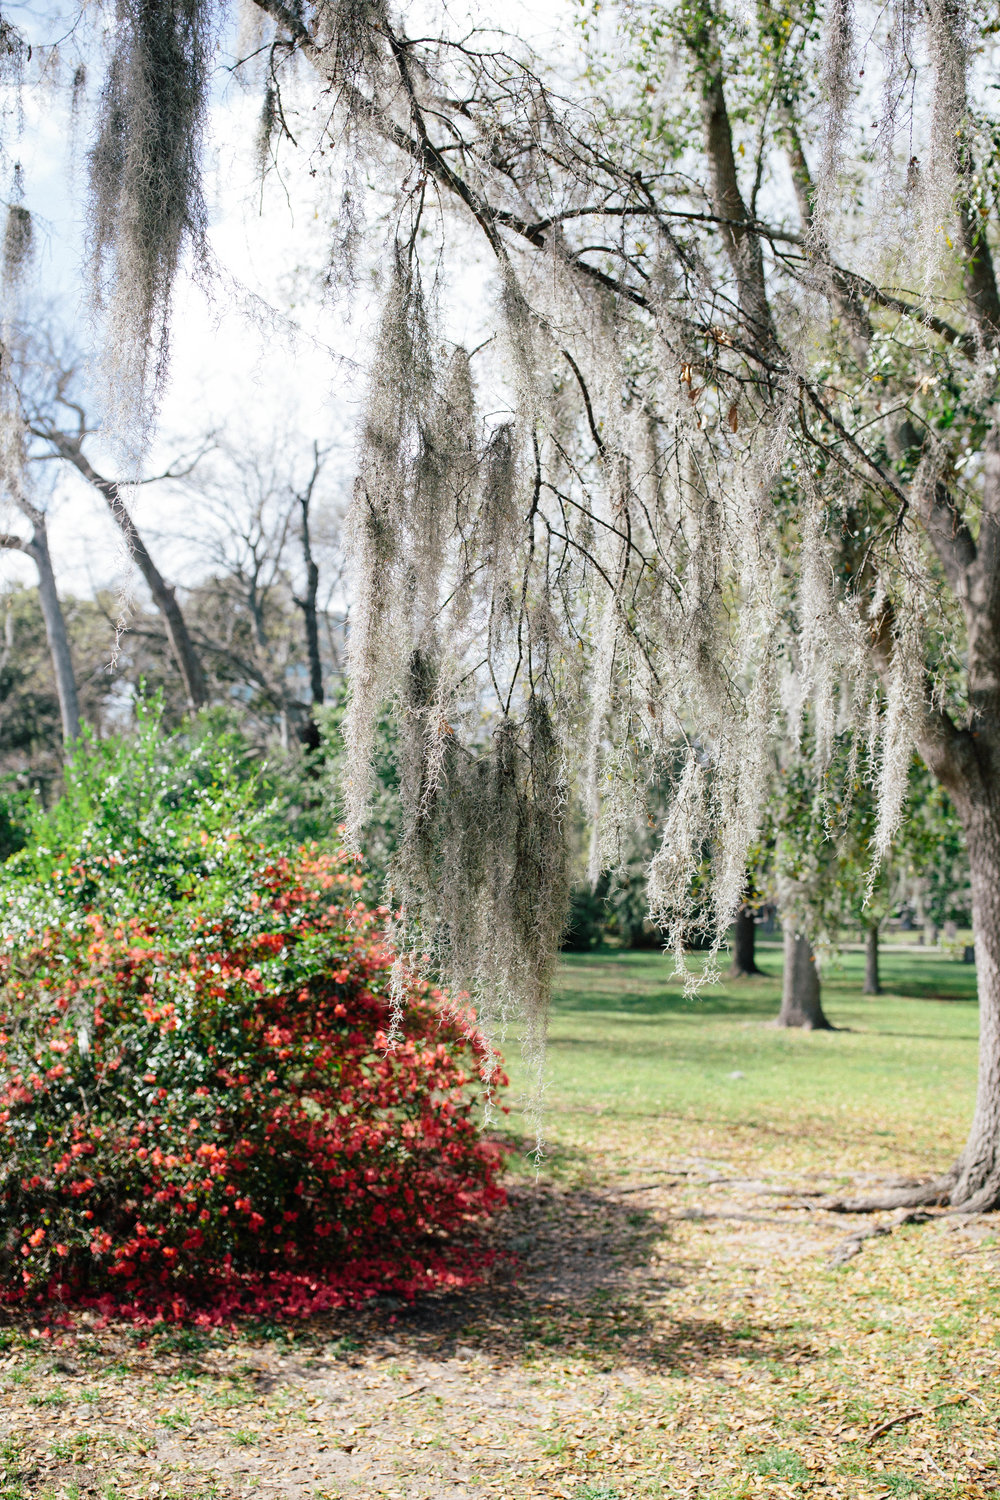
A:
(680, 1331)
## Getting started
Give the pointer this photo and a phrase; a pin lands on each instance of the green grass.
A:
(627, 1045)
(780, 1463)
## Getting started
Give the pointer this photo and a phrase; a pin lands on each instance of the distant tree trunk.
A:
(308, 606)
(871, 984)
(800, 992)
(57, 636)
(37, 548)
(744, 942)
(164, 598)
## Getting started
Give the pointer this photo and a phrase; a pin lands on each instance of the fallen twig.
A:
(698, 1214)
(884, 1427)
(908, 1416)
(647, 1187)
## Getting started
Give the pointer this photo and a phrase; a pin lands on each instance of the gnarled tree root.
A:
(958, 1192)
(933, 1194)
(848, 1248)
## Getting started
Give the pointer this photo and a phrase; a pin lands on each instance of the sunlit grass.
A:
(893, 1087)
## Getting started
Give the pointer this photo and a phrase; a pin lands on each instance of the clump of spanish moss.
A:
(18, 242)
(838, 55)
(891, 747)
(389, 447)
(480, 881)
(266, 126)
(348, 30)
(13, 52)
(482, 871)
(147, 206)
(949, 45)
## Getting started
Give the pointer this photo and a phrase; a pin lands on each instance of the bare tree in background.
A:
(271, 545)
(56, 419)
(308, 603)
(36, 546)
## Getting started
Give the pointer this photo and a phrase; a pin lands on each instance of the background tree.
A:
(36, 546)
(801, 857)
(70, 447)
(270, 614)
(744, 942)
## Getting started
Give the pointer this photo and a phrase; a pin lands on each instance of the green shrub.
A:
(199, 1109)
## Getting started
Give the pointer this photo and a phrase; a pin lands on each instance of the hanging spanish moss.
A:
(348, 31)
(482, 873)
(905, 696)
(480, 881)
(13, 52)
(12, 432)
(837, 85)
(267, 125)
(18, 242)
(147, 206)
(949, 45)
(389, 446)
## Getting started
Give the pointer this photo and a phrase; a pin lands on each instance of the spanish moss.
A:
(147, 206)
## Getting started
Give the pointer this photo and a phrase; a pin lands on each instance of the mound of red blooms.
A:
(199, 1114)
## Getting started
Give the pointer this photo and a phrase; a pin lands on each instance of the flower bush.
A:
(198, 1110)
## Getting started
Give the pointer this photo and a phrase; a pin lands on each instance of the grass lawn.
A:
(675, 1314)
(892, 1090)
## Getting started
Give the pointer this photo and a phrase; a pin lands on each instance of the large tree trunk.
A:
(56, 634)
(744, 941)
(871, 984)
(800, 993)
(977, 1172)
(973, 1183)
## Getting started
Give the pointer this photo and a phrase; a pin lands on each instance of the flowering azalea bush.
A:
(198, 1109)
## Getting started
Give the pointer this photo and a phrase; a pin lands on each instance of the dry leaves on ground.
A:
(675, 1328)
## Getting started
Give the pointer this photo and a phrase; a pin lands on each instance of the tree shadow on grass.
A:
(582, 1273)
(579, 1275)
(655, 1004)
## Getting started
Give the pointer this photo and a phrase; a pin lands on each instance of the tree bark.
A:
(801, 1004)
(744, 941)
(871, 985)
(972, 1185)
(56, 634)
(977, 1171)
